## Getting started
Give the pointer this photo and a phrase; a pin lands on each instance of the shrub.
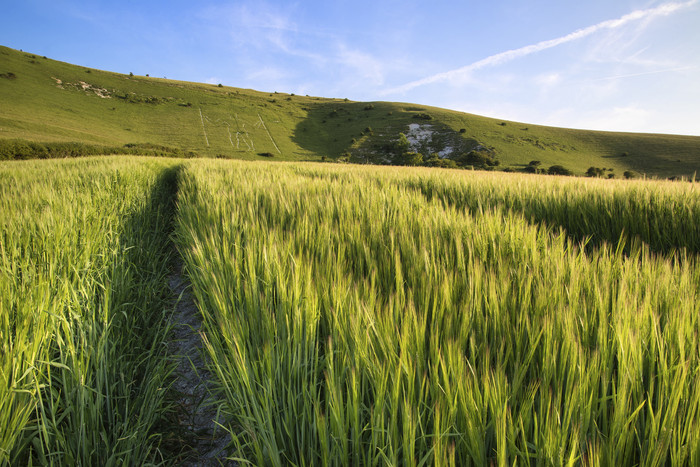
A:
(401, 145)
(20, 149)
(479, 159)
(411, 159)
(594, 172)
(436, 161)
(369, 107)
(559, 170)
(423, 116)
(266, 154)
(629, 174)
(462, 130)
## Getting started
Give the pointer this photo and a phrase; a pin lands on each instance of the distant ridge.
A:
(45, 100)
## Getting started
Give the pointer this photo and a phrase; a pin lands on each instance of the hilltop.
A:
(44, 100)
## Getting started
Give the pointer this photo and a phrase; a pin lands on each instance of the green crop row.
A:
(83, 264)
(353, 320)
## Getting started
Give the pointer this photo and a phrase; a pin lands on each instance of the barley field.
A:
(352, 315)
(83, 258)
(409, 317)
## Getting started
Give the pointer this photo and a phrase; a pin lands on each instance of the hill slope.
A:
(46, 100)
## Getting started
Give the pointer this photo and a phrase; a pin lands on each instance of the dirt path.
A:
(205, 440)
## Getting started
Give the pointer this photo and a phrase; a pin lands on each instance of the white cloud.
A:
(365, 66)
(548, 79)
(267, 74)
(507, 56)
(253, 24)
(627, 118)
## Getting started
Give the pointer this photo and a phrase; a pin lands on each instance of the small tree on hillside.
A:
(534, 167)
(402, 145)
(595, 172)
(559, 170)
(411, 158)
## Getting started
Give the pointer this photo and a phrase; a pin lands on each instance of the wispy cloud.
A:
(507, 56)
(653, 72)
(363, 65)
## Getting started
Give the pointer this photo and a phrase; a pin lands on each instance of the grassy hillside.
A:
(46, 100)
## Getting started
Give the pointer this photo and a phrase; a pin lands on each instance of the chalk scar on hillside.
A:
(203, 128)
(269, 134)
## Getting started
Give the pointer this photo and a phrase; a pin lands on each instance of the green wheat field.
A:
(352, 315)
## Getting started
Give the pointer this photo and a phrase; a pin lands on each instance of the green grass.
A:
(353, 320)
(84, 256)
(239, 123)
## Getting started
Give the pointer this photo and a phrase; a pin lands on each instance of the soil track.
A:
(197, 416)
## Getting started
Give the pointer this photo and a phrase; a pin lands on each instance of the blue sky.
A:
(625, 65)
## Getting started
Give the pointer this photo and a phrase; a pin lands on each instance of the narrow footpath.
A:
(205, 439)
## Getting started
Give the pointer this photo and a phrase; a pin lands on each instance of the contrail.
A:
(503, 57)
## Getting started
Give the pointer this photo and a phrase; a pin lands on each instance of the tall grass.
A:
(352, 320)
(83, 264)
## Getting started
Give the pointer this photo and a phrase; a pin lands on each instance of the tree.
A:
(479, 159)
(594, 172)
(534, 167)
(411, 158)
(559, 170)
(402, 145)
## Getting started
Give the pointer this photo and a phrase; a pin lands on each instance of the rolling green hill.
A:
(49, 101)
